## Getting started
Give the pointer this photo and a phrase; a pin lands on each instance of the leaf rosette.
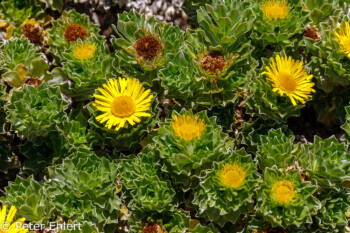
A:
(183, 143)
(277, 24)
(215, 61)
(145, 187)
(35, 112)
(329, 59)
(227, 190)
(18, 11)
(88, 64)
(66, 30)
(22, 63)
(200, 75)
(85, 188)
(285, 200)
(333, 216)
(281, 89)
(176, 221)
(143, 45)
(277, 149)
(326, 161)
(29, 198)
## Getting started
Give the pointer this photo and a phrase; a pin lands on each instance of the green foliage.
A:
(276, 149)
(327, 162)
(281, 33)
(171, 221)
(332, 217)
(217, 201)
(146, 189)
(267, 104)
(21, 60)
(186, 160)
(327, 63)
(90, 73)
(17, 11)
(57, 40)
(32, 117)
(298, 210)
(28, 196)
(84, 188)
(131, 27)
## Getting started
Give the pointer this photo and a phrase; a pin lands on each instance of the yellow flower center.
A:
(287, 82)
(283, 191)
(273, 9)
(232, 175)
(84, 51)
(188, 127)
(123, 107)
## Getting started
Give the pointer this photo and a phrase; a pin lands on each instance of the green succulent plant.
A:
(346, 126)
(321, 10)
(251, 132)
(31, 117)
(66, 30)
(190, 7)
(74, 130)
(22, 61)
(278, 25)
(327, 162)
(3, 96)
(265, 100)
(88, 64)
(227, 190)
(327, 61)
(215, 62)
(176, 221)
(146, 189)
(276, 149)
(332, 217)
(200, 75)
(285, 200)
(144, 45)
(183, 143)
(205, 229)
(17, 11)
(85, 188)
(28, 196)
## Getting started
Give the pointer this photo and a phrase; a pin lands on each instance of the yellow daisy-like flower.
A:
(188, 127)
(343, 38)
(283, 191)
(122, 101)
(288, 77)
(273, 9)
(84, 51)
(232, 175)
(7, 225)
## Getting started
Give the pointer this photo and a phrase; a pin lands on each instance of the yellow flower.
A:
(288, 77)
(122, 101)
(283, 191)
(188, 127)
(232, 175)
(273, 9)
(84, 51)
(7, 225)
(343, 38)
